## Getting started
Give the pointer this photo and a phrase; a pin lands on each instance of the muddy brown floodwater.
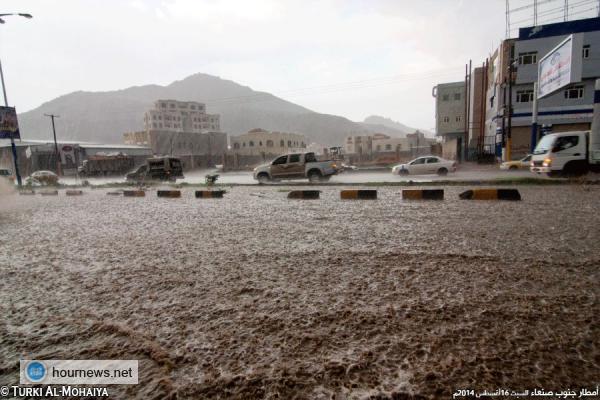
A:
(256, 296)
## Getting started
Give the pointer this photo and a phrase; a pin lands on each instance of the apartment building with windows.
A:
(450, 124)
(259, 142)
(568, 109)
(181, 116)
(182, 129)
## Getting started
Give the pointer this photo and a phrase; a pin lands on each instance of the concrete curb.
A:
(424, 194)
(134, 193)
(304, 194)
(172, 194)
(209, 194)
(358, 194)
(491, 194)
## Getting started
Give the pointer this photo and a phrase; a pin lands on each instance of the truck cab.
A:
(563, 153)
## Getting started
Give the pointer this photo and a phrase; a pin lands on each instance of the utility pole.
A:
(534, 115)
(56, 154)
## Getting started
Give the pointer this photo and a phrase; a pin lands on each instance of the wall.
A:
(449, 148)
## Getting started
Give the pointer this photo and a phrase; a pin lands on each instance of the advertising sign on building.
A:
(9, 127)
(561, 66)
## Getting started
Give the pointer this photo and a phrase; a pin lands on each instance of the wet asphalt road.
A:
(258, 296)
(467, 173)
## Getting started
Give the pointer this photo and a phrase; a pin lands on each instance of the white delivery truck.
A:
(570, 153)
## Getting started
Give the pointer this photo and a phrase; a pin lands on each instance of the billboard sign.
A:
(561, 66)
(9, 127)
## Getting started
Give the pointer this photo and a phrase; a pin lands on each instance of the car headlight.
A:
(547, 162)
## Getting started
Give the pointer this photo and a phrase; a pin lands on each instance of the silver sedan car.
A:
(425, 165)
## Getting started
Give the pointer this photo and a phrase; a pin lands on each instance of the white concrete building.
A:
(259, 142)
(180, 116)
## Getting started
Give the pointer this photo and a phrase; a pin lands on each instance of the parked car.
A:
(296, 166)
(42, 178)
(523, 163)
(425, 165)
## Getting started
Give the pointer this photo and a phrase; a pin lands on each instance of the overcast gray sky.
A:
(347, 57)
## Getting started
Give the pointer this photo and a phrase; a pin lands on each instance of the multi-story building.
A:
(450, 124)
(180, 116)
(259, 142)
(359, 145)
(182, 129)
(567, 109)
(496, 98)
(380, 148)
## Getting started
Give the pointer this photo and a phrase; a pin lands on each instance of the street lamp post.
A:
(12, 139)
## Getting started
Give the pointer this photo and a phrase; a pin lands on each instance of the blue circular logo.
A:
(35, 371)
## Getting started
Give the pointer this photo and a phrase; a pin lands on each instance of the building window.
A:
(576, 92)
(289, 143)
(456, 96)
(236, 145)
(154, 117)
(528, 58)
(160, 125)
(172, 105)
(388, 146)
(445, 97)
(458, 118)
(244, 144)
(524, 96)
(585, 52)
(446, 119)
(160, 117)
(378, 147)
(260, 143)
(154, 125)
(281, 143)
(163, 105)
(251, 144)
(269, 143)
(303, 145)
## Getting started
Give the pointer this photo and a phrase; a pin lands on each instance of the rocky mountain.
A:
(384, 124)
(104, 116)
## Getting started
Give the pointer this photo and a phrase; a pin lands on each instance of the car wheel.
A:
(442, 171)
(403, 172)
(263, 179)
(513, 168)
(314, 177)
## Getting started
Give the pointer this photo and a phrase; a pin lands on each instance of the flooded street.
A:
(367, 176)
(256, 296)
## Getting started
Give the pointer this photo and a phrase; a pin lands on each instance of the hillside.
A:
(104, 116)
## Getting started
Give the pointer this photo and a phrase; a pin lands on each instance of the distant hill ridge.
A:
(104, 116)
